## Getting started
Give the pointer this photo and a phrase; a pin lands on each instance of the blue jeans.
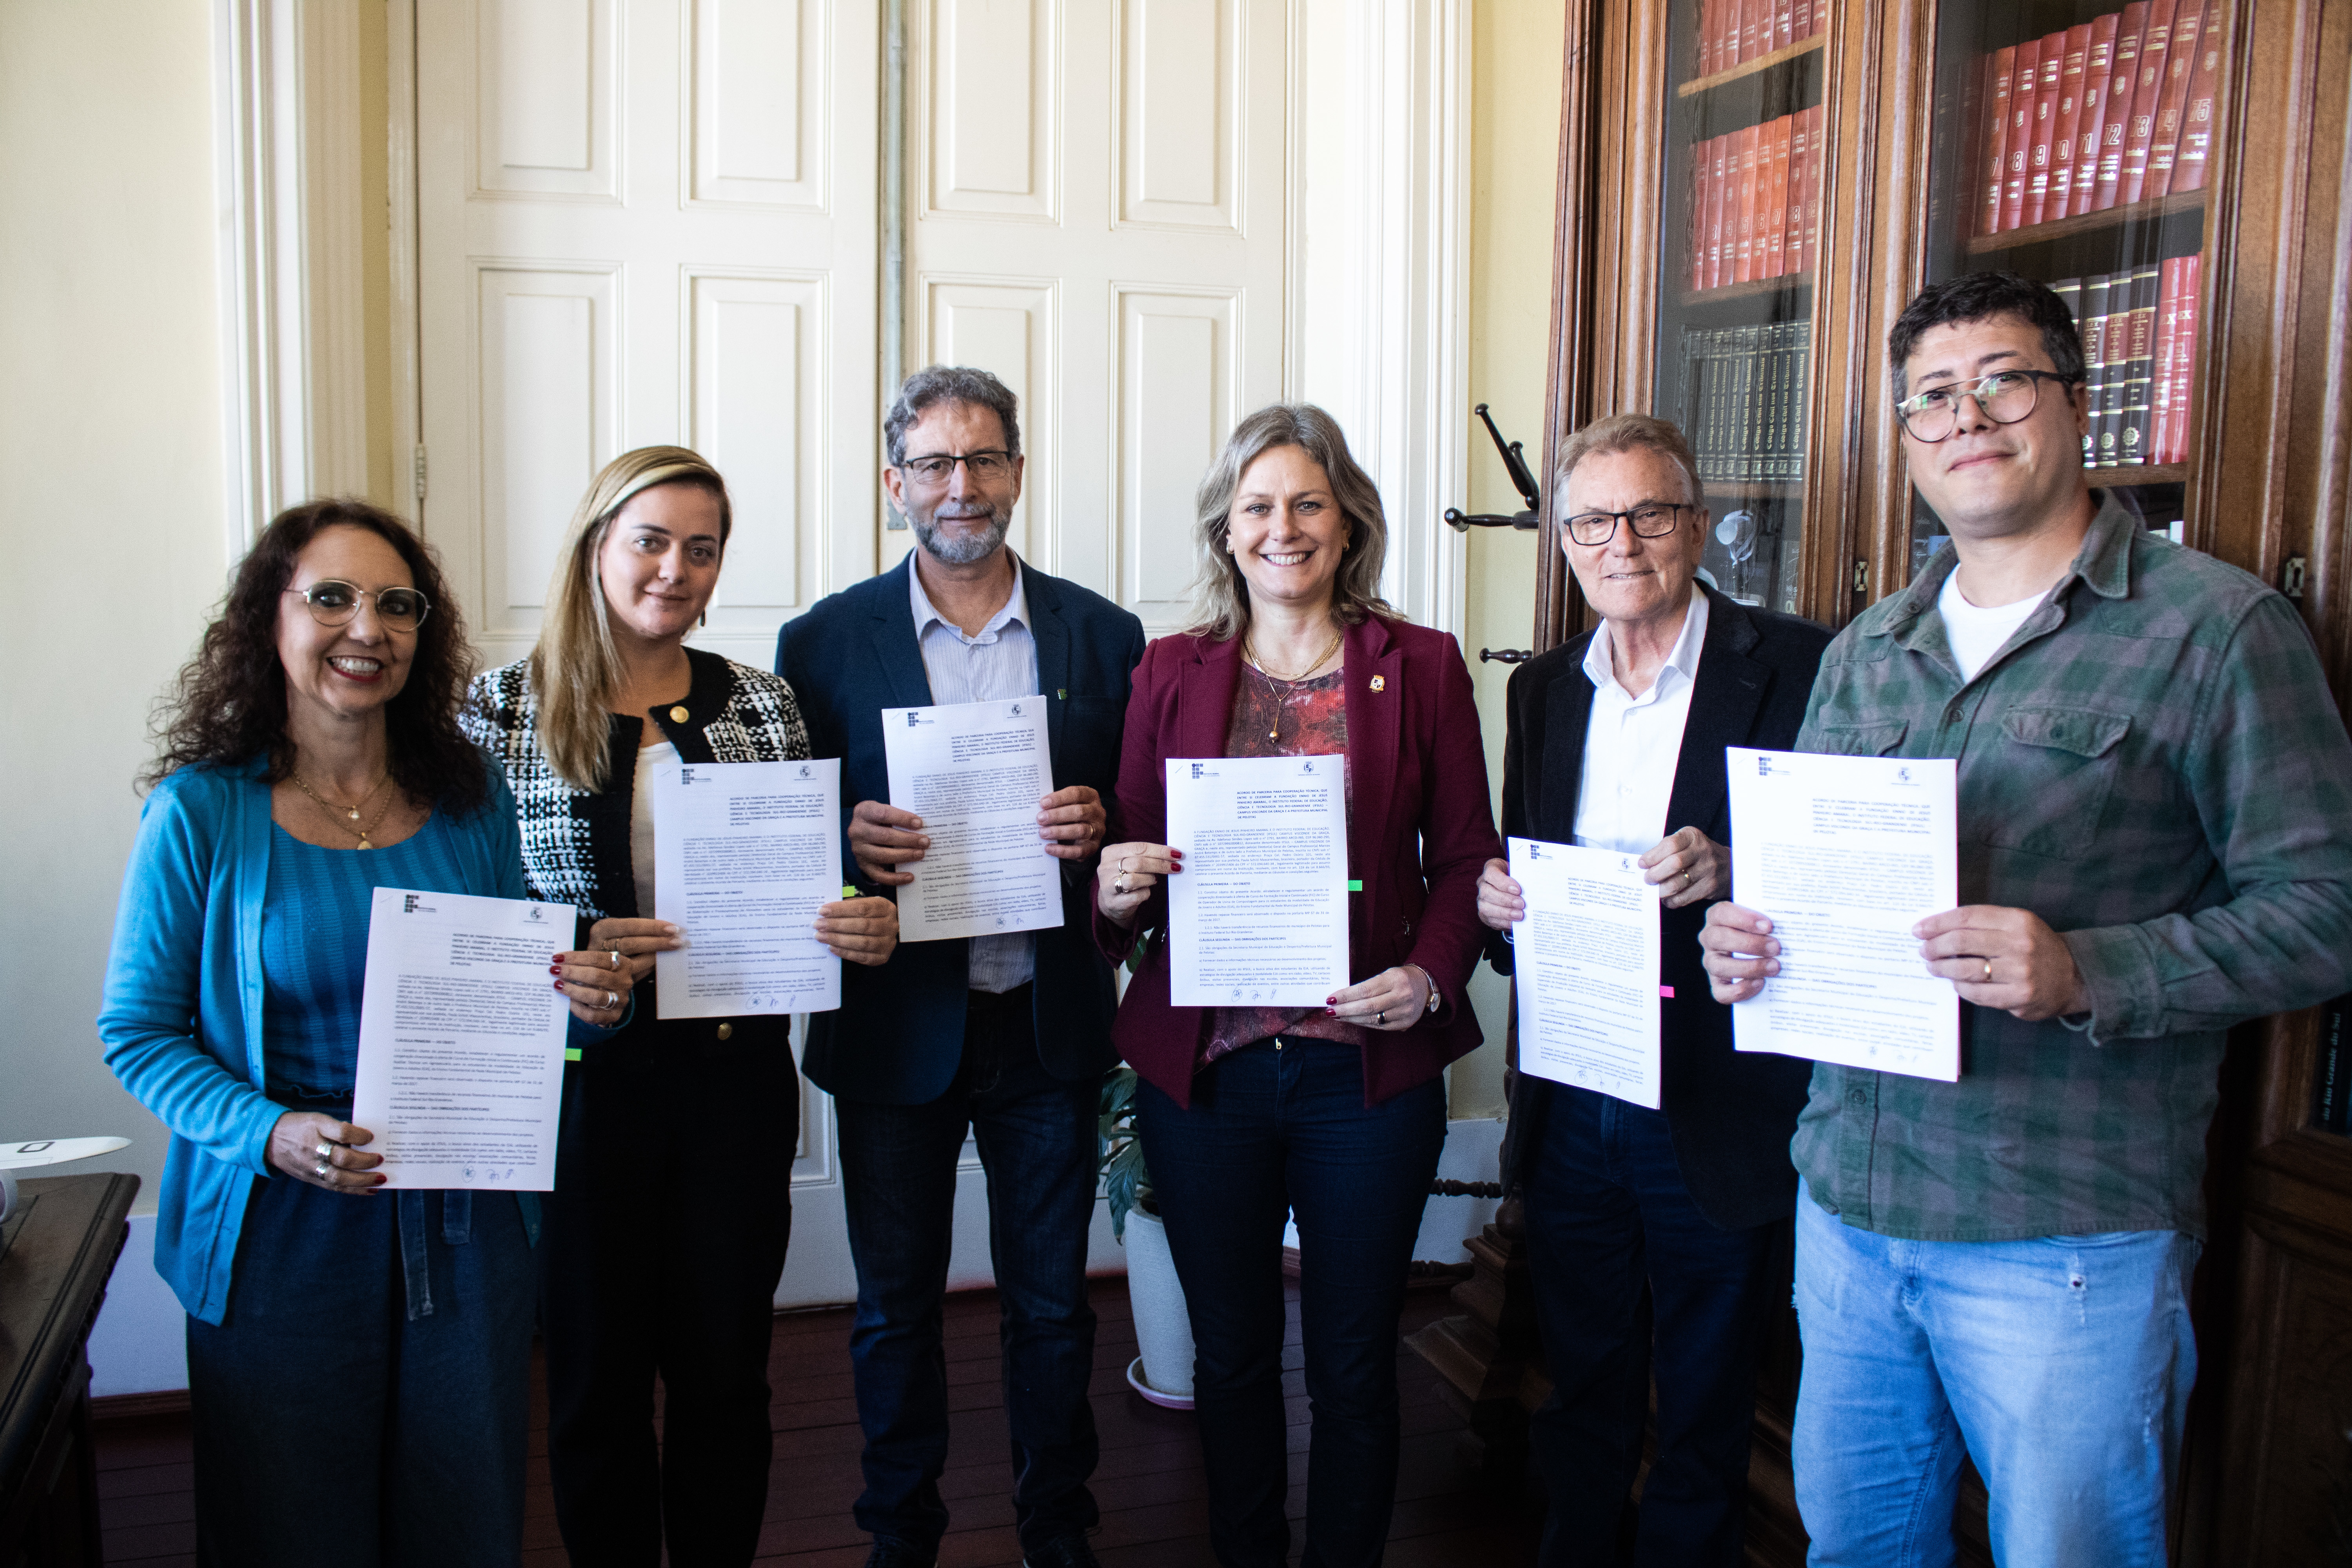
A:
(1607, 1213)
(2061, 1363)
(1279, 1128)
(1036, 1137)
(350, 1410)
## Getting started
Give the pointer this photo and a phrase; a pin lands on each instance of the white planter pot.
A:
(1162, 1330)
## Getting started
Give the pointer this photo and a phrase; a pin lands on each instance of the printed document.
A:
(974, 772)
(1846, 854)
(1259, 917)
(744, 854)
(1585, 961)
(461, 1041)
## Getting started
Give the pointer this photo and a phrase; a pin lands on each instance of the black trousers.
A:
(1607, 1214)
(664, 1242)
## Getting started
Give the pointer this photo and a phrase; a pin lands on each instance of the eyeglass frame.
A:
(1625, 518)
(357, 593)
(907, 466)
(1974, 391)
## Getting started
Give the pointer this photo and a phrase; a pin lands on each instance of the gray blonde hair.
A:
(1220, 592)
(1626, 433)
(576, 670)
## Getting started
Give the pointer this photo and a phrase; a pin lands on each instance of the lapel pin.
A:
(1062, 692)
(1380, 683)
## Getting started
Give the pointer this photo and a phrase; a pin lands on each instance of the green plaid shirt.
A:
(2152, 764)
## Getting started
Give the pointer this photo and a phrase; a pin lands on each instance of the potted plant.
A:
(1164, 1332)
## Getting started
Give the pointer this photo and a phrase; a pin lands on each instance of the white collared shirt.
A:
(1633, 743)
(1000, 663)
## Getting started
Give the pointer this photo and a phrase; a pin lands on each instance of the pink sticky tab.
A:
(1665, 991)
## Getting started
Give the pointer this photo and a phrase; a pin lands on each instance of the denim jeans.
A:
(1278, 1128)
(1036, 1137)
(1607, 1213)
(2061, 1365)
(332, 1426)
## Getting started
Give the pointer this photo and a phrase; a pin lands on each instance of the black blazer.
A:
(898, 1034)
(1731, 1115)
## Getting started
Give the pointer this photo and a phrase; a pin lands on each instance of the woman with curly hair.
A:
(357, 1366)
(673, 1188)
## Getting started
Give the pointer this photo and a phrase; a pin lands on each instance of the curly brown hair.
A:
(228, 705)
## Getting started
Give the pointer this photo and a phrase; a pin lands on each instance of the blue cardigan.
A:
(182, 1010)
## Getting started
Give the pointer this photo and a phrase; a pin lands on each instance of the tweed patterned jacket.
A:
(575, 844)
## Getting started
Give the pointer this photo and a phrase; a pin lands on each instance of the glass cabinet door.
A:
(1745, 156)
(2075, 143)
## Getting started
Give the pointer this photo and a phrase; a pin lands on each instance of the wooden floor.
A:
(1149, 1485)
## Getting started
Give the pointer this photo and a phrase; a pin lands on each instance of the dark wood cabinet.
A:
(2254, 467)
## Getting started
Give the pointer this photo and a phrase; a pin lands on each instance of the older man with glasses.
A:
(1004, 1037)
(1617, 740)
(2155, 843)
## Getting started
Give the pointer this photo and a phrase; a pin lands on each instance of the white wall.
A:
(109, 502)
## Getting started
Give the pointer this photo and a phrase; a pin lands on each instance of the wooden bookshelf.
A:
(1754, 288)
(1797, 50)
(2134, 475)
(2088, 223)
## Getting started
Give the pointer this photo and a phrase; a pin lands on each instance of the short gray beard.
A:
(962, 550)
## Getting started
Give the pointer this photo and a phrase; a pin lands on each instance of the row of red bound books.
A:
(1756, 202)
(2139, 344)
(2105, 113)
(1733, 31)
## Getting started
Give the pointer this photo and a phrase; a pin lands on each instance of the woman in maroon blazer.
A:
(1334, 1114)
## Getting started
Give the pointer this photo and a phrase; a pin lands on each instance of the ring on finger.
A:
(1988, 973)
(612, 1001)
(1382, 1017)
(322, 1171)
(1120, 886)
(616, 958)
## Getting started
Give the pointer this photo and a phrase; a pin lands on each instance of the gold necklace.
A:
(352, 812)
(1289, 683)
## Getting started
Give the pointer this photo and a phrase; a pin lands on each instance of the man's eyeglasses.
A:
(1650, 519)
(334, 603)
(2005, 396)
(933, 471)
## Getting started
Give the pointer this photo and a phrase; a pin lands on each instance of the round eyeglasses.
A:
(2005, 396)
(1650, 519)
(932, 471)
(333, 603)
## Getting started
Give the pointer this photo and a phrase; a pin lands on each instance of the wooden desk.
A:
(52, 1281)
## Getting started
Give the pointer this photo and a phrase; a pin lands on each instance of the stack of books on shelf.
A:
(1756, 202)
(1731, 32)
(2105, 113)
(2139, 343)
(1744, 390)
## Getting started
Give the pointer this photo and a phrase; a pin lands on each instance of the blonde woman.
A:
(1334, 1114)
(667, 1231)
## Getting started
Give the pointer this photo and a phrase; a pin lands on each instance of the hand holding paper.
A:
(1585, 961)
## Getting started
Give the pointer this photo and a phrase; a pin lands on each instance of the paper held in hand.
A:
(974, 772)
(744, 855)
(1846, 854)
(1259, 917)
(461, 1041)
(1585, 961)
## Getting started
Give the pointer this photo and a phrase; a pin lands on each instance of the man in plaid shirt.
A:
(2155, 844)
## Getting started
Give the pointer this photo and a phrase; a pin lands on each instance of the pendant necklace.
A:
(351, 813)
(1288, 684)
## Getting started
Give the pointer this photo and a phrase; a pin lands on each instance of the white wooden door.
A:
(646, 223)
(1099, 194)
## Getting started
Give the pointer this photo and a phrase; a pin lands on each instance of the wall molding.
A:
(292, 238)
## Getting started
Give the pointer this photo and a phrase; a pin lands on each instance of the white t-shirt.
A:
(1976, 633)
(641, 823)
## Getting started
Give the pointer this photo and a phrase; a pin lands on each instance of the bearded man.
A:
(1007, 1036)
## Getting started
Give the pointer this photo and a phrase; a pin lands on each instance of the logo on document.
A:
(409, 904)
(1903, 776)
(1200, 770)
(535, 915)
(1308, 766)
(1016, 710)
(1763, 766)
(1625, 863)
(806, 772)
(685, 777)
(913, 718)
(1535, 851)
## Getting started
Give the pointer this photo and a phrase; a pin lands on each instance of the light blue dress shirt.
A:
(999, 664)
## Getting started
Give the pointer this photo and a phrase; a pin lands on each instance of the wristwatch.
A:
(1435, 1001)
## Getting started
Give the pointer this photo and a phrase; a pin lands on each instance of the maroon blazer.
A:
(1420, 826)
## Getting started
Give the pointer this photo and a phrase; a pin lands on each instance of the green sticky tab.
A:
(571, 1053)
(1063, 692)
(847, 891)
(1355, 885)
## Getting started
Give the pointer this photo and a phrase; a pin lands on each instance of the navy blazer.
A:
(898, 1034)
(1731, 1115)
